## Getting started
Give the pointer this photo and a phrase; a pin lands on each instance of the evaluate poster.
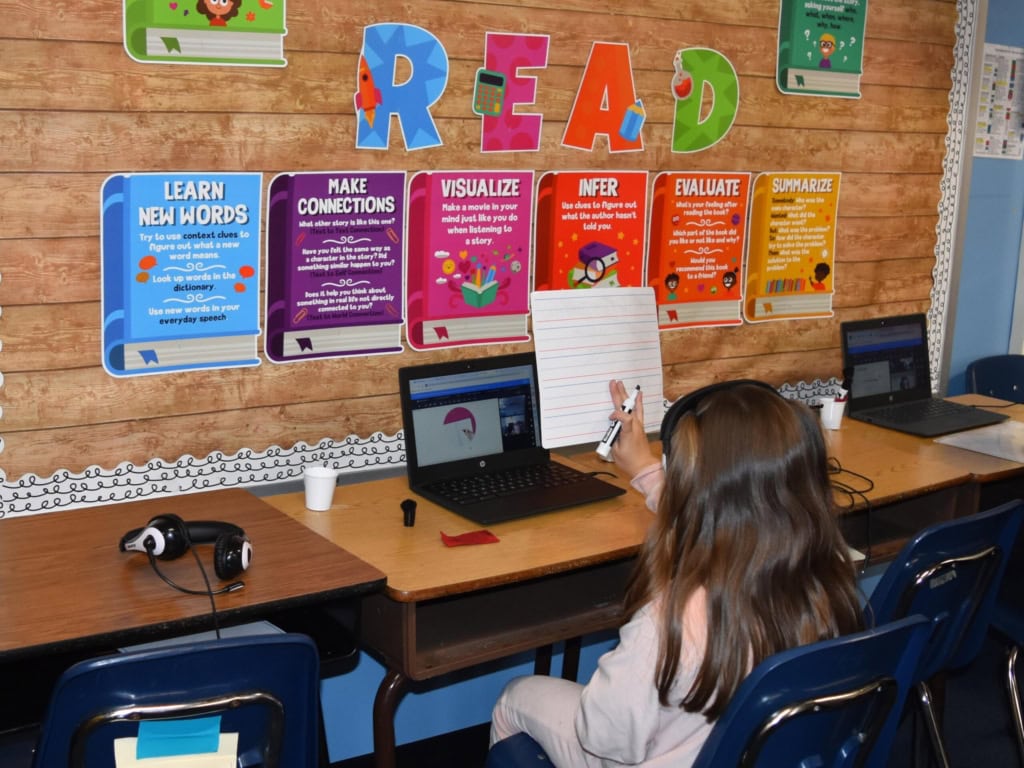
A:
(697, 238)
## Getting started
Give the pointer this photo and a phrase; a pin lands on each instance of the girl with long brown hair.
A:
(744, 559)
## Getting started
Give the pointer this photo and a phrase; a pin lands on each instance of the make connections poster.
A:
(334, 264)
(180, 271)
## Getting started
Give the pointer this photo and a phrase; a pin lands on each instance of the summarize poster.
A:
(791, 256)
(180, 271)
(468, 271)
(821, 47)
(590, 229)
(697, 238)
(206, 32)
(334, 266)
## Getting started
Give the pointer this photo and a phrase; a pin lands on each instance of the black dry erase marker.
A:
(604, 448)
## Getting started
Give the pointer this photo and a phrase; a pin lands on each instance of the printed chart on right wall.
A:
(790, 271)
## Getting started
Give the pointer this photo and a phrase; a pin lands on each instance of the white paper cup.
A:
(319, 482)
(832, 412)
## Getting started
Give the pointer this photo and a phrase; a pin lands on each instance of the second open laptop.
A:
(473, 441)
(885, 361)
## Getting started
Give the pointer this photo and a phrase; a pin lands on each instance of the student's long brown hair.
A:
(746, 513)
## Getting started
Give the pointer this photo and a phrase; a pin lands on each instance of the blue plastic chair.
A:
(264, 688)
(951, 572)
(834, 703)
(999, 376)
(1008, 621)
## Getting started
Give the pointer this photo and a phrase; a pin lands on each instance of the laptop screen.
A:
(456, 413)
(885, 360)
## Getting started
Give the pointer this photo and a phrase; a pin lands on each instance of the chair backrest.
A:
(264, 688)
(833, 703)
(999, 376)
(952, 571)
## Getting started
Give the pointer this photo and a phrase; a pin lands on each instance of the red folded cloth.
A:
(473, 537)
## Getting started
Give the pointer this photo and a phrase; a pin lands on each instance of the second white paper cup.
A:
(832, 412)
(319, 482)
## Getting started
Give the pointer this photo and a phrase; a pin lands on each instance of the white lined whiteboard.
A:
(583, 339)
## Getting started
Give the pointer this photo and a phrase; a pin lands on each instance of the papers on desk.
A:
(1004, 440)
(226, 756)
(583, 339)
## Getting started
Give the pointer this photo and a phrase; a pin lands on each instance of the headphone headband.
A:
(168, 537)
(690, 402)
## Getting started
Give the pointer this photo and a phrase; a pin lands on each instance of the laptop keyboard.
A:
(467, 490)
(904, 413)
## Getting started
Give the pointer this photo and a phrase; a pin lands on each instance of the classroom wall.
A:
(74, 108)
(992, 238)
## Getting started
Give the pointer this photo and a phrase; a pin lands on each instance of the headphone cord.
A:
(209, 591)
(854, 494)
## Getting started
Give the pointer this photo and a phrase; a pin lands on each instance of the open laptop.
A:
(885, 362)
(473, 442)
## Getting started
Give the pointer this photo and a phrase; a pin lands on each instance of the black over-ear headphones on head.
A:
(691, 401)
(168, 537)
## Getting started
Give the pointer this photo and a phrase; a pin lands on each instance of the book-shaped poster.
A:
(590, 229)
(791, 251)
(821, 47)
(697, 239)
(468, 258)
(206, 31)
(334, 266)
(180, 259)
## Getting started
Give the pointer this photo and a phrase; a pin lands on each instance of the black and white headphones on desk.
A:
(168, 537)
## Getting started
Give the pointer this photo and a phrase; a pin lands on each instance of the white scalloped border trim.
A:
(32, 494)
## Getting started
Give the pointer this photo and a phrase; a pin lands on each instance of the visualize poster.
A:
(180, 271)
(790, 269)
(590, 229)
(821, 47)
(697, 238)
(999, 129)
(468, 268)
(334, 264)
(213, 32)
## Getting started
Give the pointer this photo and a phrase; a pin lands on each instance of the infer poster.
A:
(468, 265)
(334, 266)
(791, 256)
(180, 271)
(590, 230)
(698, 234)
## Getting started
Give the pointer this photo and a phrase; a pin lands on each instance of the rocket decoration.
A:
(368, 95)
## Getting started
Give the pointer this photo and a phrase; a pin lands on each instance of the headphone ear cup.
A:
(232, 554)
(164, 537)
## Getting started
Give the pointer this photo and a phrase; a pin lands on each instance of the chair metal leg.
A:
(925, 698)
(542, 660)
(1014, 693)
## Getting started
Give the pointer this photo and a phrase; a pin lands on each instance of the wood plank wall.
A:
(75, 109)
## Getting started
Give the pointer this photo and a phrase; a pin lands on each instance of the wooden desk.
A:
(999, 479)
(66, 586)
(561, 575)
(550, 578)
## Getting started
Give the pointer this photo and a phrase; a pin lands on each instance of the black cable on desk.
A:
(854, 494)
